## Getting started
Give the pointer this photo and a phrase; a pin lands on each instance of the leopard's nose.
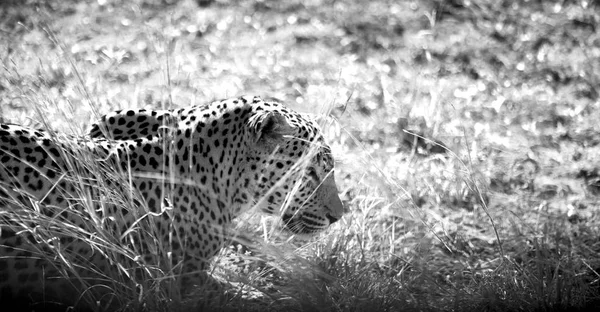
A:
(331, 218)
(329, 193)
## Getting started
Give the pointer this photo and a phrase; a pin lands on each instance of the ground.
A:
(500, 214)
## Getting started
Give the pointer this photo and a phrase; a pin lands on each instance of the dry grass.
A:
(506, 219)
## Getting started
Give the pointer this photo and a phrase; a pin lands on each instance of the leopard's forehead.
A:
(242, 107)
(292, 116)
(306, 128)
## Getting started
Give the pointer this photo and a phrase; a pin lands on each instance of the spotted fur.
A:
(182, 173)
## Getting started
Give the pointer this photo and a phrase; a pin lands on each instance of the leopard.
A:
(182, 174)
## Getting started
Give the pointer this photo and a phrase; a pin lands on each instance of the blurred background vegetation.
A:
(466, 132)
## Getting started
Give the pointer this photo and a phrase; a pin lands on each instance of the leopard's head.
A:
(292, 169)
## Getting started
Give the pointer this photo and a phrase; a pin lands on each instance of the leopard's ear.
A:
(269, 128)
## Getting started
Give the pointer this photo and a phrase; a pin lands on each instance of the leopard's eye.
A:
(319, 158)
(312, 174)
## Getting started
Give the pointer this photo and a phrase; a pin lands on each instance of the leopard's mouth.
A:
(300, 225)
